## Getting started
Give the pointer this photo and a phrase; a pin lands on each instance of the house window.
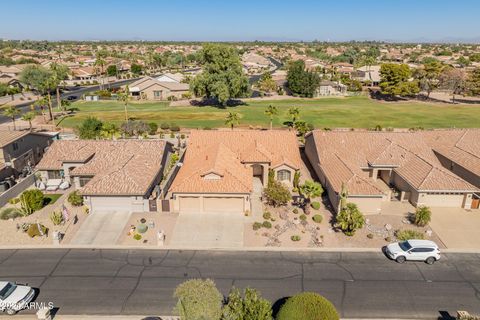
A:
(54, 175)
(157, 95)
(84, 180)
(15, 146)
(283, 175)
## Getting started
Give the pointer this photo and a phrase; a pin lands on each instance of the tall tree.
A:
(40, 79)
(11, 112)
(395, 80)
(266, 83)
(271, 111)
(125, 98)
(59, 74)
(294, 113)
(429, 76)
(454, 80)
(250, 307)
(473, 82)
(232, 119)
(100, 66)
(350, 219)
(301, 81)
(222, 78)
(198, 299)
(29, 116)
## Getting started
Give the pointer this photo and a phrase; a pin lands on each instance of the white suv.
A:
(416, 250)
(13, 297)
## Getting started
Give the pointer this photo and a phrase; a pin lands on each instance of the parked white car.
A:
(13, 297)
(415, 250)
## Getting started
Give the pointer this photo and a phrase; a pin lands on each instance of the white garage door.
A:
(227, 205)
(443, 200)
(189, 204)
(111, 204)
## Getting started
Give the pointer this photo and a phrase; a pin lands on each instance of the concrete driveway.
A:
(102, 228)
(456, 227)
(208, 230)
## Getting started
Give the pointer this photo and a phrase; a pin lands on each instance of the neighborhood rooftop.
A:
(123, 167)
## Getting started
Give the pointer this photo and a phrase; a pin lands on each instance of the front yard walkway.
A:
(101, 228)
(208, 230)
(256, 199)
(456, 227)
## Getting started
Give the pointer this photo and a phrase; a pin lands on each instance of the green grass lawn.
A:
(350, 112)
(51, 198)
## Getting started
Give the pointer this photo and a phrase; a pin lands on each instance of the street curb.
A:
(233, 249)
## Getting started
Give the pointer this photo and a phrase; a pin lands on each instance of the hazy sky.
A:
(223, 20)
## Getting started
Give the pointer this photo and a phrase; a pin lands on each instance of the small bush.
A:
(388, 239)
(316, 205)
(35, 230)
(172, 135)
(75, 199)
(10, 213)
(174, 127)
(317, 218)
(295, 238)
(182, 136)
(257, 225)
(152, 128)
(267, 224)
(370, 236)
(277, 194)
(31, 201)
(303, 217)
(164, 126)
(404, 235)
(422, 216)
(295, 211)
(267, 215)
(56, 218)
(307, 306)
(14, 201)
(137, 237)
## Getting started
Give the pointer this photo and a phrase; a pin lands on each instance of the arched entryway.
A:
(258, 171)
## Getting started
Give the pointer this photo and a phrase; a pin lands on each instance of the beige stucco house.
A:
(119, 175)
(148, 88)
(220, 168)
(384, 166)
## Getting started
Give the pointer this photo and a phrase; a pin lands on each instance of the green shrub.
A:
(295, 238)
(303, 217)
(14, 200)
(198, 299)
(408, 234)
(172, 135)
(137, 237)
(56, 218)
(249, 307)
(317, 218)
(295, 211)
(307, 306)
(164, 126)
(316, 205)
(174, 127)
(349, 219)
(31, 201)
(267, 224)
(10, 213)
(257, 225)
(267, 215)
(277, 194)
(370, 236)
(36, 229)
(422, 216)
(152, 128)
(75, 199)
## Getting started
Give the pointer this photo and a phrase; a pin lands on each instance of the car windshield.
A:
(7, 290)
(405, 246)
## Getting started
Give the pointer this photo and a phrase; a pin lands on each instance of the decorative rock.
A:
(429, 233)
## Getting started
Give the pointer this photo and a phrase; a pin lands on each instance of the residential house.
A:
(375, 167)
(331, 88)
(148, 88)
(223, 170)
(19, 149)
(111, 175)
(368, 74)
(171, 77)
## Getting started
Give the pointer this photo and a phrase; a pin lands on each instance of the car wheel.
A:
(401, 259)
(430, 260)
(10, 312)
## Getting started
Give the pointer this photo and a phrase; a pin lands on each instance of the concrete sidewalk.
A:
(101, 228)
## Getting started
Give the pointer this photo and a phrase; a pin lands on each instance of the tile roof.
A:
(122, 167)
(342, 156)
(460, 146)
(225, 153)
(9, 136)
(147, 82)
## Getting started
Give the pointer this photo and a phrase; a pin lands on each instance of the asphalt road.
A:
(361, 285)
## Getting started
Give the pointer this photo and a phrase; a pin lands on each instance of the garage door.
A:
(111, 204)
(443, 200)
(189, 204)
(228, 205)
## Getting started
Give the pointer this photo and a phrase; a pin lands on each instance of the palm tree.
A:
(11, 112)
(294, 113)
(110, 130)
(271, 111)
(125, 98)
(232, 119)
(100, 62)
(29, 116)
(310, 190)
(343, 196)
(59, 74)
(40, 103)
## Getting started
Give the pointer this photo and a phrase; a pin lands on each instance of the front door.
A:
(475, 203)
(152, 205)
